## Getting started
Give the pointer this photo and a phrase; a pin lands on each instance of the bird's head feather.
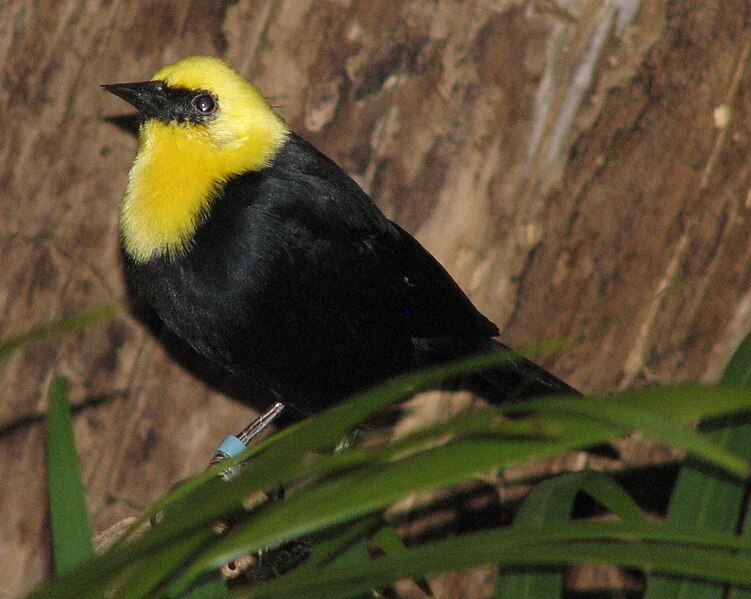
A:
(203, 124)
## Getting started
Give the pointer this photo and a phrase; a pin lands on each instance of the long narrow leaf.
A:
(282, 456)
(357, 494)
(70, 324)
(645, 546)
(281, 453)
(645, 411)
(345, 488)
(550, 504)
(706, 498)
(685, 404)
(738, 373)
(69, 516)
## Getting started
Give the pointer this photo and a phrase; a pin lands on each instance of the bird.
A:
(268, 259)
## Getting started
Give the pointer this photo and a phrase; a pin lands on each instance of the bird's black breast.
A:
(296, 279)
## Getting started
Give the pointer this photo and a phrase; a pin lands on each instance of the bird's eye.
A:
(204, 103)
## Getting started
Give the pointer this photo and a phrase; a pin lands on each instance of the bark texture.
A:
(579, 166)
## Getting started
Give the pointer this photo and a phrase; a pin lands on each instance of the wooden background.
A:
(580, 166)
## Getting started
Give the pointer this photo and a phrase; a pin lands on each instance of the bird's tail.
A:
(518, 378)
(515, 379)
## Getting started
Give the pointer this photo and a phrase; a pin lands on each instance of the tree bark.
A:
(579, 166)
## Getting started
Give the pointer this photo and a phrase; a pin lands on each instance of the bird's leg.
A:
(230, 447)
(269, 561)
(235, 444)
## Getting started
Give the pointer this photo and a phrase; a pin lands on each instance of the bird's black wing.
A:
(416, 313)
(446, 326)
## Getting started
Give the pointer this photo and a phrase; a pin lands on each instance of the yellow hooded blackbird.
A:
(263, 255)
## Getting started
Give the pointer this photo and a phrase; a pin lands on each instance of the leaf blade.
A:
(69, 517)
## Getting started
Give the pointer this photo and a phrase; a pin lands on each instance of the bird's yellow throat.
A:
(181, 168)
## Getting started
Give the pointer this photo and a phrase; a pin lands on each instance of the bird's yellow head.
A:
(203, 124)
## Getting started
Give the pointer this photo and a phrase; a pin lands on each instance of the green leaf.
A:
(551, 503)
(356, 494)
(647, 546)
(69, 517)
(150, 575)
(278, 459)
(210, 588)
(738, 371)
(389, 541)
(71, 324)
(320, 433)
(330, 496)
(661, 413)
(342, 544)
(706, 498)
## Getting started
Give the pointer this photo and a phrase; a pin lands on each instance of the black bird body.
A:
(293, 277)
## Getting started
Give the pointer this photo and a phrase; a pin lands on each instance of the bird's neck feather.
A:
(176, 176)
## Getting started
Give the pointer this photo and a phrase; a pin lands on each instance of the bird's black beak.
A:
(148, 97)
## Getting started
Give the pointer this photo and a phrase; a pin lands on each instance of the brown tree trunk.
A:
(579, 166)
